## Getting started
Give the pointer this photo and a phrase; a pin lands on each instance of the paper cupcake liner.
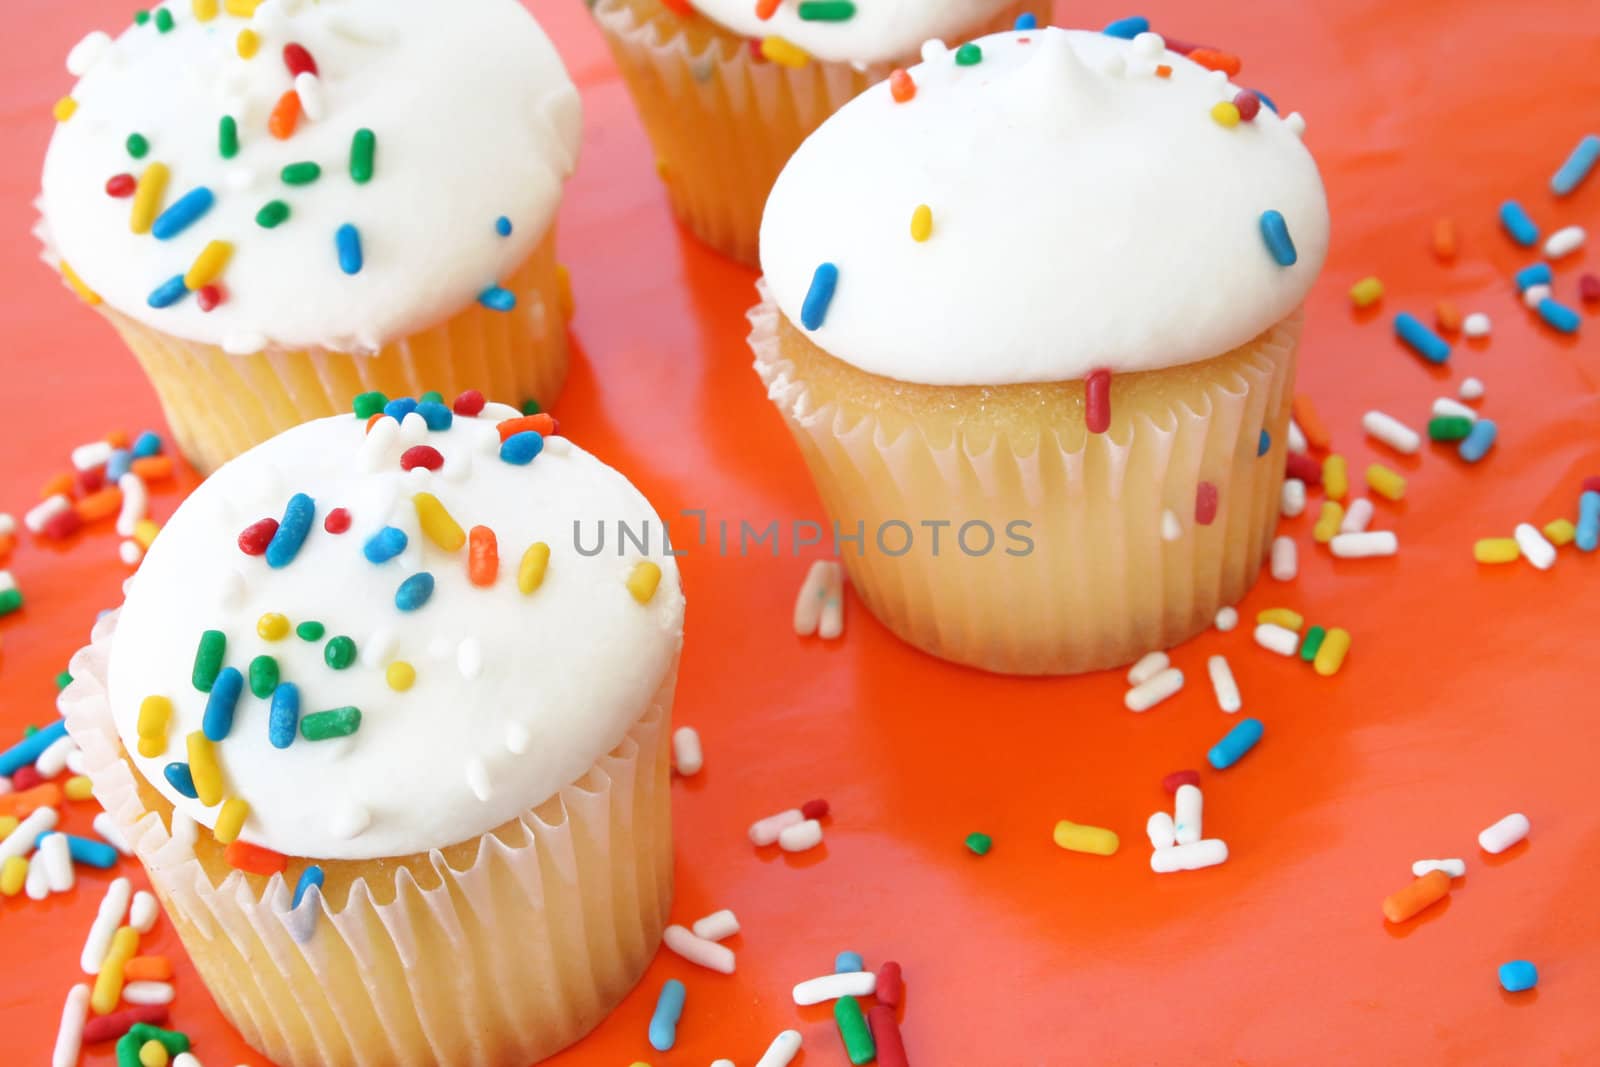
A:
(498, 951)
(723, 122)
(220, 405)
(1101, 586)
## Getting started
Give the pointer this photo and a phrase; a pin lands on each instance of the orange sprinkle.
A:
(148, 969)
(285, 116)
(117, 438)
(541, 424)
(483, 556)
(373, 419)
(1424, 892)
(1163, 71)
(26, 802)
(60, 485)
(7, 543)
(901, 87)
(100, 504)
(253, 859)
(1212, 59)
(1448, 316)
(153, 468)
(678, 7)
(1311, 424)
(765, 9)
(1444, 239)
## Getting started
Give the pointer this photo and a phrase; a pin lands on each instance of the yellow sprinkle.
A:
(204, 770)
(643, 581)
(1327, 522)
(1560, 532)
(12, 874)
(153, 1054)
(272, 627)
(79, 787)
(208, 265)
(155, 713)
(248, 42)
(64, 109)
(1366, 292)
(922, 223)
(662, 168)
(564, 290)
(1225, 113)
(204, 10)
(437, 524)
(86, 294)
(1496, 550)
(1330, 657)
(147, 197)
(8, 823)
(784, 53)
(1291, 620)
(400, 675)
(1335, 477)
(144, 532)
(108, 984)
(1092, 839)
(243, 8)
(230, 820)
(1386, 483)
(530, 572)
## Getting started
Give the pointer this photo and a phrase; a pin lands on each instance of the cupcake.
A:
(385, 715)
(282, 209)
(1032, 319)
(729, 88)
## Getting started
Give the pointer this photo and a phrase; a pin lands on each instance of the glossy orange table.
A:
(1470, 691)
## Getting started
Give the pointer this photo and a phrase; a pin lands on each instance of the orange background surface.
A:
(1470, 691)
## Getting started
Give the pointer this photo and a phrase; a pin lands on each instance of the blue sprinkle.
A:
(118, 464)
(669, 1009)
(217, 722)
(292, 531)
(25, 752)
(179, 778)
(1577, 166)
(147, 444)
(1533, 274)
(497, 299)
(348, 241)
(85, 850)
(1518, 224)
(1127, 28)
(820, 295)
(1275, 232)
(502, 226)
(1264, 443)
(848, 962)
(1421, 340)
(1558, 316)
(168, 292)
(414, 591)
(1026, 21)
(284, 718)
(385, 545)
(1265, 99)
(435, 414)
(520, 448)
(311, 876)
(1239, 740)
(1518, 975)
(398, 408)
(1477, 443)
(1588, 536)
(184, 212)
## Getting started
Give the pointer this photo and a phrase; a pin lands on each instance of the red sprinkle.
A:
(1303, 467)
(1591, 484)
(1205, 504)
(468, 403)
(1183, 48)
(1589, 288)
(253, 859)
(257, 536)
(298, 60)
(678, 7)
(109, 1027)
(209, 296)
(421, 456)
(26, 778)
(62, 525)
(886, 1034)
(1097, 401)
(1248, 103)
(338, 521)
(121, 185)
(890, 985)
(1172, 781)
(755, 49)
(901, 87)
(814, 809)
(90, 481)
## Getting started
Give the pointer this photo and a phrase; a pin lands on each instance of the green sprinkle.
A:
(29, 730)
(10, 600)
(338, 722)
(173, 1041)
(310, 631)
(1449, 428)
(1313, 641)
(362, 147)
(301, 173)
(531, 406)
(141, 17)
(858, 1043)
(433, 395)
(263, 676)
(137, 145)
(369, 404)
(63, 680)
(228, 137)
(208, 659)
(969, 55)
(128, 1044)
(339, 653)
(164, 20)
(827, 10)
(979, 844)
(272, 213)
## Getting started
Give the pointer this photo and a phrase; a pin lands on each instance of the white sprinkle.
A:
(1534, 295)
(148, 993)
(1206, 853)
(351, 822)
(1292, 498)
(113, 907)
(517, 738)
(1149, 665)
(697, 950)
(1358, 518)
(36, 883)
(41, 513)
(244, 343)
(1444, 407)
(469, 658)
(478, 780)
(1148, 45)
(1454, 868)
(91, 455)
(803, 835)
(1161, 831)
(766, 831)
(376, 446)
(687, 757)
(145, 911)
(19, 842)
(718, 926)
(130, 553)
(413, 430)
(1564, 242)
(110, 833)
(1275, 638)
(496, 412)
(832, 622)
(5, 785)
(53, 760)
(56, 856)
(1187, 808)
(1223, 684)
(379, 648)
(1505, 833)
(308, 87)
(8, 524)
(69, 1038)
(1149, 694)
(1285, 559)
(1227, 619)
(833, 986)
(556, 446)
(782, 1051)
(1476, 325)
(808, 603)
(1535, 548)
(187, 1059)
(1297, 438)
(1392, 432)
(1297, 126)
(1365, 545)
(1171, 526)
(1472, 389)
(7, 582)
(90, 49)
(932, 49)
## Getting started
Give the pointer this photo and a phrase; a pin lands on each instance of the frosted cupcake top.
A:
(297, 174)
(389, 638)
(1039, 205)
(859, 32)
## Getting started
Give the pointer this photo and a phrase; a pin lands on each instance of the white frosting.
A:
(1081, 219)
(474, 117)
(878, 32)
(515, 695)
